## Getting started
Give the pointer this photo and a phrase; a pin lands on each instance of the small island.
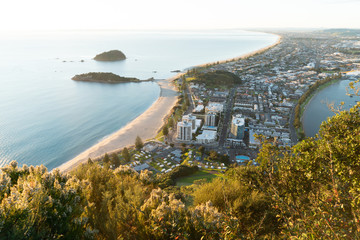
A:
(113, 55)
(103, 77)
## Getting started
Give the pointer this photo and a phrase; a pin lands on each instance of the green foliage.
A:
(106, 158)
(165, 130)
(115, 160)
(138, 143)
(218, 79)
(201, 150)
(113, 55)
(311, 191)
(35, 204)
(214, 156)
(169, 179)
(251, 208)
(316, 186)
(105, 77)
(195, 178)
(125, 154)
(171, 122)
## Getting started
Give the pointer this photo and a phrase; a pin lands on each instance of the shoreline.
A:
(150, 122)
(303, 107)
(244, 56)
(146, 126)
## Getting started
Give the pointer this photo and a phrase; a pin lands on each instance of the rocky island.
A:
(103, 77)
(113, 55)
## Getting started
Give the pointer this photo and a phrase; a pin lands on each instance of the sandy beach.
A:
(146, 126)
(259, 51)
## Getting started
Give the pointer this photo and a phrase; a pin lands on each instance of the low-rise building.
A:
(207, 136)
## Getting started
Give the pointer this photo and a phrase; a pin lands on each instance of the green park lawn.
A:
(185, 181)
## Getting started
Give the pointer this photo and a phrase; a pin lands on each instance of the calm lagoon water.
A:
(46, 118)
(317, 109)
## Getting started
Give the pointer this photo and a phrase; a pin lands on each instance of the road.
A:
(293, 135)
(227, 117)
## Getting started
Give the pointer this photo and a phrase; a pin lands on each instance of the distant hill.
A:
(218, 78)
(103, 77)
(345, 32)
(113, 55)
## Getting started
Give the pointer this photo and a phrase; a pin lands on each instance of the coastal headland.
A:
(147, 124)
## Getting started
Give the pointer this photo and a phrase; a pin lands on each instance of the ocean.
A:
(46, 118)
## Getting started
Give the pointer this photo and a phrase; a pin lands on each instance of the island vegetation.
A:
(113, 55)
(103, 77)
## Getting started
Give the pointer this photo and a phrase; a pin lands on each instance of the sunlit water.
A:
(46, 118)
(318, 109)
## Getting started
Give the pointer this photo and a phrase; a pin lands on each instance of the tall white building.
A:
(210, 119)
(190, 119)
(238, 126)
(184, 132)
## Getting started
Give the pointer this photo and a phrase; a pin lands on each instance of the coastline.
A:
(148, 124)
(246, 55)
(145, 126)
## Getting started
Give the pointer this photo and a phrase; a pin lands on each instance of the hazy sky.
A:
(170, 14)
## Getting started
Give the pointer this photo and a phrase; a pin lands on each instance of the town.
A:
(226, 108)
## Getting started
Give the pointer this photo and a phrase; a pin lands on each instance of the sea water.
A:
(46, 118)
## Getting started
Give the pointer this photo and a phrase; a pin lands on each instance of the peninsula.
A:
(113, 55)
(103, 77)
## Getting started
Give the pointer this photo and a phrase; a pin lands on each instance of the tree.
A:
(213, 155)
(171, 122)
(165, 130)
(46, 206)
(316, 186)
(115, 160)
(106, 158)
(187, 101)
(201, 150)
(138, 143)
(125, 154)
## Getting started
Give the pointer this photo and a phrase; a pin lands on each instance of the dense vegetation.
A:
(113, 55)
(217, 79)
(309, 191)
(103, 77)
(352, 51)
(345, 32)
